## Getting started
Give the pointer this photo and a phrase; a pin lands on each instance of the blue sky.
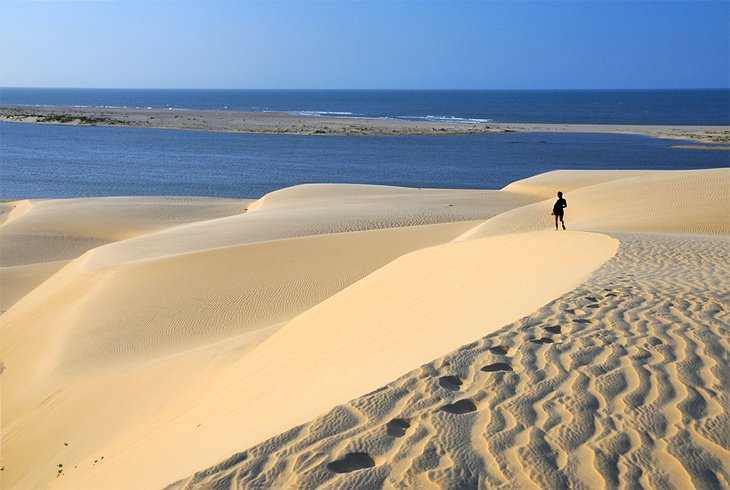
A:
(356, 44)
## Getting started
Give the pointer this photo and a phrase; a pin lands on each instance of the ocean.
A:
(678, 107)
(47, 161)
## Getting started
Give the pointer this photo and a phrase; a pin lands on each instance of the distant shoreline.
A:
(286, 123)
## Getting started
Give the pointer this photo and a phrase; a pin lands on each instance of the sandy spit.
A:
(286, 123)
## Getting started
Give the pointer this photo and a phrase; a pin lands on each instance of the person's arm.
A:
(565, 203)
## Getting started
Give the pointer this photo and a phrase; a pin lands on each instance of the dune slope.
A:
(352, 343)
(621, 382)
(155, 297)
(148, 338)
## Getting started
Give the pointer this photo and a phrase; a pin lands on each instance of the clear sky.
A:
(356, 44)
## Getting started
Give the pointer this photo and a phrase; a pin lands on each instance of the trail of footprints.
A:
(621, 382)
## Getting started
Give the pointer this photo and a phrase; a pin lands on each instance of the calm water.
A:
(678, 107)
(68, 161)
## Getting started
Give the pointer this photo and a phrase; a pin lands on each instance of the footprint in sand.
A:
(460, 407)
(452, 383)
(570, 311)
(593, 306)
(582, 320)
(612, 294)
(499, 349)
(397, 427)
(553, 329)
(497, 366)
(543, 340)
(351, 462)
(592, 299)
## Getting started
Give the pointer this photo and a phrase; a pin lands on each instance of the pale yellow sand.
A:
(148, 338)
(165, 296)
(621, 383)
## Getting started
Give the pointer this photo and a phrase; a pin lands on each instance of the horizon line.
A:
(369, 89)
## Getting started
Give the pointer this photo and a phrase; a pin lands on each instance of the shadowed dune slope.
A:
(182, 300)
(17, 281)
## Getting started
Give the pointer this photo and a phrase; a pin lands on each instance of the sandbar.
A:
(288, 123)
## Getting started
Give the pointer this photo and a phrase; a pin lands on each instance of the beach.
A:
(342, 335)
(288, 123)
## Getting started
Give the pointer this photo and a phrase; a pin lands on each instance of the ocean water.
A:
(44, 161)
(678, 107)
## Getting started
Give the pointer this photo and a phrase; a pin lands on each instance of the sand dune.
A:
(696, 201)
(620, 383)
(63, 229)
(315, 210)
(111, 316)
(148, 338)
(9, 210)
(545, 186)
(365, 335)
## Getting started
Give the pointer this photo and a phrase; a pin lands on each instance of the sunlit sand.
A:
(371, 336)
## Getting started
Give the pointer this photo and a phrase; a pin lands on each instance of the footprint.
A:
(351, 462)
(612, 294)
(497, 366)
(397, 427)
(543, 340)
(571, 311)
(452, 383)
(499, 349)
(582, 320)
(591, 298)
(593, 306)
(460, 407)
(553, 329)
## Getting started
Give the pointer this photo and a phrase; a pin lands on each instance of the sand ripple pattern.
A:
(622, 382)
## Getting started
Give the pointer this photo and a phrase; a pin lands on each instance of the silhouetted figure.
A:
(558, 212)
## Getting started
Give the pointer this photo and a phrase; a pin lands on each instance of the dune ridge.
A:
(141, 344)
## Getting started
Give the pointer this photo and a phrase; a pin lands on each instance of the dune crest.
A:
(11, 210)
(686, 201)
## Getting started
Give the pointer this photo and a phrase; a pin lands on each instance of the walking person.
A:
(558, 212)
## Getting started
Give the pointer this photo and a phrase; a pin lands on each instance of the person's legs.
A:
(556, 221)
(561, 222)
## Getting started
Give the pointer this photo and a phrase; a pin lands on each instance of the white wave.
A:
(457, 119)
(452, 119)
(324, 113)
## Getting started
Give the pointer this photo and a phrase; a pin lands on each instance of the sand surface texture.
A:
(718, 137)
(145, 339)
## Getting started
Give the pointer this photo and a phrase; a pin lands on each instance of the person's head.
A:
(560, 194)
